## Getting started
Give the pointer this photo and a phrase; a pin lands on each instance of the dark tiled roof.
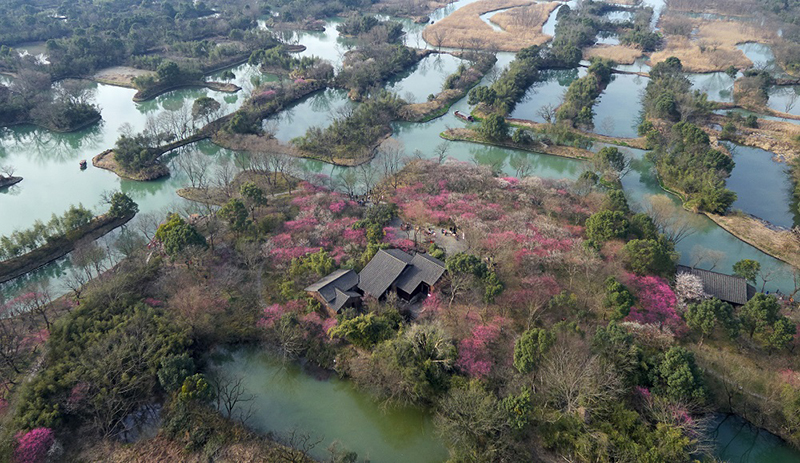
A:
(342, 298)
(724, 287)
(421, 268)
(382, 271)
(343, 280)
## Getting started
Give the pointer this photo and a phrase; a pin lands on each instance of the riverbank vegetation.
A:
(378, 30)
(454, 88)
(682, 151)
(508, 89)
(279, 60)
(30, 99)
(26, 250)
(352, 137)
(367, 67)
(168, 76)
(576, 109)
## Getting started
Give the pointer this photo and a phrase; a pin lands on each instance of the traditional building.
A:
(731, 289)
(337, 291)
(390, 270)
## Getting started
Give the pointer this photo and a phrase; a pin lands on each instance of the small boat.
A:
(83, 164)
(464, 117)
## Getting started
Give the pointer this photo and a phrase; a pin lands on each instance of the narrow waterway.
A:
(618, 110)
(547, 92)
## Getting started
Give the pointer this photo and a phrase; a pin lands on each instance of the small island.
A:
(7, 178)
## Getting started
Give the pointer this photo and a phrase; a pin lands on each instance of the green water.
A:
(330, 409)
(426, 78)
(549, 91)
(763, 188)
(315, 110)
(737, 441)
(617, 111)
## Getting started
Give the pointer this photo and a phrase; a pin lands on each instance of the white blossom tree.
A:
(689, 288)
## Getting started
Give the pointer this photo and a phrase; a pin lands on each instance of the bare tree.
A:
(230, 395)
(476, 43)
(147, 223)
(704, 256)
(572, 377)
(368, 175)
(7, 170)
(548, 113)
(89, 257)
(12, 341)
(392, 159)
(195, 166)
(675, 223)
(39, 302)
(225, 175)
(76, 281)
(521, 163)
(440, 151)
(296, 446)
(348, 180)
(437, 35)
(790, 101)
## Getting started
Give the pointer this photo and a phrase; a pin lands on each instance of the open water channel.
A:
(331, 408)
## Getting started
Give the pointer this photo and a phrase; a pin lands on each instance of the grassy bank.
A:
(780, 244)
(472, 136)
(272, 183)
(59, 247)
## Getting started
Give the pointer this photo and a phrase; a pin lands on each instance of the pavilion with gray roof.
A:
(728, 288)
(337, 291)
(389, 270)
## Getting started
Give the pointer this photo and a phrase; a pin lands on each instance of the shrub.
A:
(494, 127)
(32, 446)
(650, 256)
(605, 225)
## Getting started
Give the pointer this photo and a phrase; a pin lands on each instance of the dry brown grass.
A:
(713, 48)
(780, 244)
(726, 7)
(777, 137)
(121, 76)
(162, 449)
(522, 26)
(620, 54)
